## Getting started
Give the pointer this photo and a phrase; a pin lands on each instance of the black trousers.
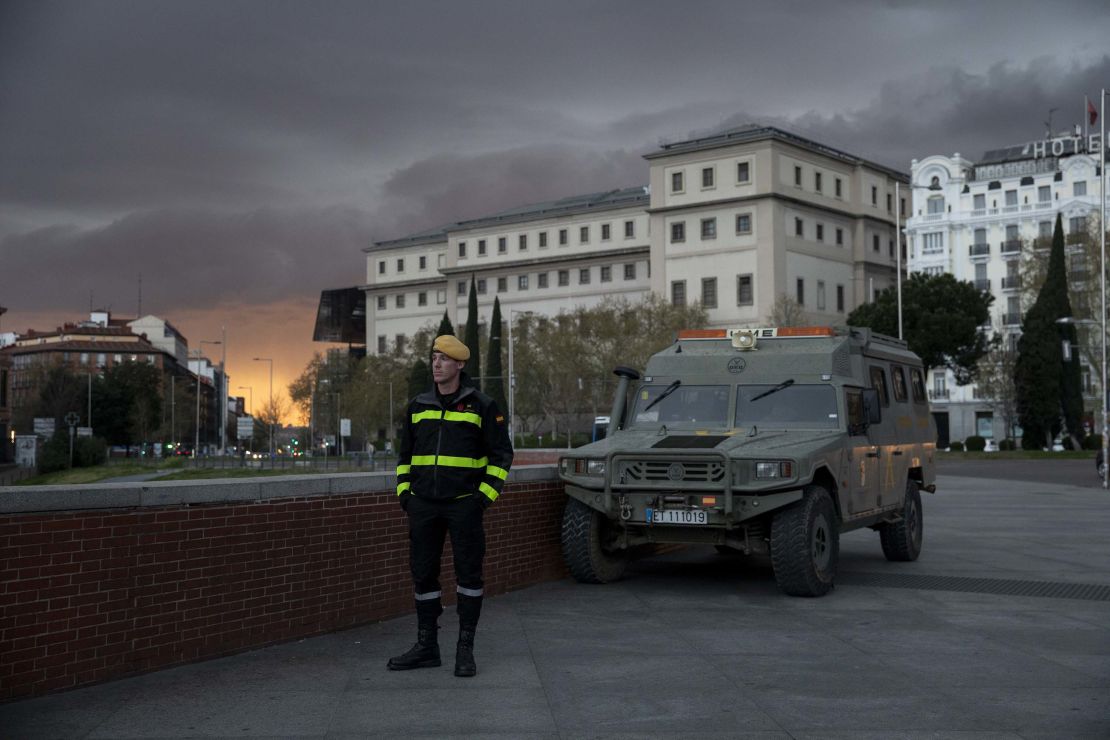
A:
(429, 523)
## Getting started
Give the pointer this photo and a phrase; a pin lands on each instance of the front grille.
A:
(673, 471)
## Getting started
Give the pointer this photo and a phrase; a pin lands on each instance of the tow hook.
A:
(626, 508)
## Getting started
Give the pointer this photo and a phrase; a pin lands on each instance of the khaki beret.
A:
(452, 347)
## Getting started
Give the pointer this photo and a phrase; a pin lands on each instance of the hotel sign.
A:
(1058, 147)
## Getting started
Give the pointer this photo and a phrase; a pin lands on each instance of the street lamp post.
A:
(1104, 472)
(271, 421)
(196, 440)
(512, 376)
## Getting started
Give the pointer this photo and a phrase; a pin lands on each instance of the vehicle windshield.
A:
(686, 406)
(790, 407)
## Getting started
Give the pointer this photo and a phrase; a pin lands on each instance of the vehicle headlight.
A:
(595, 467)
(776, 469)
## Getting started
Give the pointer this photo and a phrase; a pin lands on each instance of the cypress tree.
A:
(420, 378)
(495, 385)
(1048, 387)
(445, 326)
(474, 364)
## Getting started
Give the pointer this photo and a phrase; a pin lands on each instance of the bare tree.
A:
(787, 312)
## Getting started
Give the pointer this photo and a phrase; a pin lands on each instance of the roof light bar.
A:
(766, 333)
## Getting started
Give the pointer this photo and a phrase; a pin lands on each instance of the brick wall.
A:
(104, 592)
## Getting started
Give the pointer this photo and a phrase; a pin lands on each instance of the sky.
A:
(235, 157)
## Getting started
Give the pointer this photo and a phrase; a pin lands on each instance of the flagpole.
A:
(898, 250)
(1102, 242)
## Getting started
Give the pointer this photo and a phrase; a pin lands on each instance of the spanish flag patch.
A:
(499, 419)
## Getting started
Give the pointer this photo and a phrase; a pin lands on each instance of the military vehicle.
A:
(764, 441)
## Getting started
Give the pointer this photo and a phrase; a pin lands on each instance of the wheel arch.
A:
(823, 477)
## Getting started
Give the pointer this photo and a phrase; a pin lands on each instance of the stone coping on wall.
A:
(89, 496)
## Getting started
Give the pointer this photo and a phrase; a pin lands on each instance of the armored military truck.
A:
(766, 441)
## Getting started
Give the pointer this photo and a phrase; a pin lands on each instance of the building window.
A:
(798, 229)
(889, 203)
(743, 173)
(543, 239)
(606, 273)
(441, 260)
(817, 181)
(629, 229)
(839, 184)
(630, 271)
(583, 234)
(481, 286)
(890, 247)
(584, 276)
(678, 293)
(1079, 188)
(902, 206)
(522, 282)
(840, 298)
(381, 267)
(820, 295)
(1077, 225)
(840, 237)
(820, 232)
(1044, 229)
(1044, 194)
(709, 228)
(709, 292)
(801, 291)
(875, 242)
(381, 303)
(422, 299)
(502, 245)
(934, 243)
(502, 285)
(1011, 198)
(481, 247)
(462, 250)
(562, 237)
(978, 202)
(676, 182)
(381, 344)
(461, 289)
(563, 278)
(874, 196)
(706, 177)
(605, 228)
(423, 262)
(400, 300)
(522, 242)
(678, 232)
(797, 175)
(399, 342)
(744, 295)
(541, 280)
(441, 296)
(743, 223)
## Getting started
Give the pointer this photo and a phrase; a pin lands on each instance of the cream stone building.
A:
(731, 221)
(975, 220)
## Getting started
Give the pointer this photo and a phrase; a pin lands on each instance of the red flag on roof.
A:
(1092, 113)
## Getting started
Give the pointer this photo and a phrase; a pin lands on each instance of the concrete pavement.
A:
(700, 645)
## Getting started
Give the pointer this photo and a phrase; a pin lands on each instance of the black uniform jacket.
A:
(455, 451)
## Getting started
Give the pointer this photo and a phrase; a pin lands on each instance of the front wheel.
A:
(585, 533)
(902, 539)
(805, 545)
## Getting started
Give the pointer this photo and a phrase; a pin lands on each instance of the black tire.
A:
(902, 540)
(805, 545)
(584, 531)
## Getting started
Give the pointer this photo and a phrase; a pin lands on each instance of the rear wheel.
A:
(585, 534)
(902, 539)
(805, 545)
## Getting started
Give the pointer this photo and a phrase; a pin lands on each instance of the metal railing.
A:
(1011, 245)
(983, 284)
(938, 394)
(1011, 319)
(979, 250)
(1011, 282)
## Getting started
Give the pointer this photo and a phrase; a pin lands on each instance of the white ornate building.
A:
(974, 219)
(730, 220)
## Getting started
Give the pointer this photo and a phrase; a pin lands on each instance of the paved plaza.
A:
(1000, 630)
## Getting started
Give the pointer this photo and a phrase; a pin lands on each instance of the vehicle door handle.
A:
(872, 454)
(896, 452)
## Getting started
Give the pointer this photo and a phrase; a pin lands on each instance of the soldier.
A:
(454, 458)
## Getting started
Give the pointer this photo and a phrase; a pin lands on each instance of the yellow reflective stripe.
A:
(463, 416)
(402, 487)
(450, 461)
(489, 490)
(403, 469)
(417, 418)
(496, 472)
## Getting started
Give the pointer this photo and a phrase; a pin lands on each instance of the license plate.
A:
(677, 516)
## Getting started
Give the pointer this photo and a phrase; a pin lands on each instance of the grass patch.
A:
(210, 473)
(76, 476)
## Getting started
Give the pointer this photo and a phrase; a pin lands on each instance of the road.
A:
(1066, 472)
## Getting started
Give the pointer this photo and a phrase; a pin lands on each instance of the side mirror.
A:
(872, 410)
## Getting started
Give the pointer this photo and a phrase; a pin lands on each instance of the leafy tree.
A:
(1048, 387)
(445, 326)
(474, 364)
(941, 317)
(996, 382)
(420, 378)
(60, 391)
(127, 403)
(495, 383)
(302, 391)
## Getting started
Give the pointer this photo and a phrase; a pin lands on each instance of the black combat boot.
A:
(464, 654)
(424, 654)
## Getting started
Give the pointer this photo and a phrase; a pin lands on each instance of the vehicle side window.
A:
(917, 381)
(898, 380)
(853, 402)
(878, 382)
